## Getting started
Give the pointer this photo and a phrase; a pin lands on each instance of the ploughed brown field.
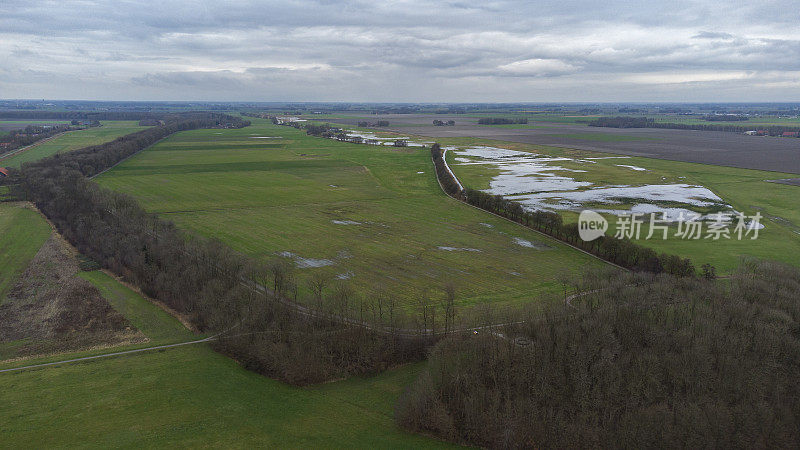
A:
(706, 147)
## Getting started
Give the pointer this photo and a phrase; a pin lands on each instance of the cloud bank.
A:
(404, 51)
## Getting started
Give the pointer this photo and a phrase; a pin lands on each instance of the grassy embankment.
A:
(22, 233)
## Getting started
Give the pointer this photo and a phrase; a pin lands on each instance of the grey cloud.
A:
(413, 50)
(712, 35)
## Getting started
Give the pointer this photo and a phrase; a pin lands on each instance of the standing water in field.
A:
(542, 182)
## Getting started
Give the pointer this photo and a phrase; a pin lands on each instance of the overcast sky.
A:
(405, 51)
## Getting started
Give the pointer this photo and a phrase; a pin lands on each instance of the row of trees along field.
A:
(31, 134)
(622, 252)
(380, 123)
(502, 121)
(642, 361)
(219, 290)
(645, 122)
(77, 115)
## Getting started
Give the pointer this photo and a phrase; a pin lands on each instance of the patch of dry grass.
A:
(50, 309)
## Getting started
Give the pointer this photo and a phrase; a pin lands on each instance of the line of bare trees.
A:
(446, 178)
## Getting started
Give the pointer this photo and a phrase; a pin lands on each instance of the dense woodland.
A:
(622, 252)
(644, 122)
(642, 361)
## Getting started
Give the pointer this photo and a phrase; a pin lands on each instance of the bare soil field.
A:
(50, 309)
(706, 147)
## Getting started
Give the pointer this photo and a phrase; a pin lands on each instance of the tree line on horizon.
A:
(502, 120)
(78, 115)
(646, 122)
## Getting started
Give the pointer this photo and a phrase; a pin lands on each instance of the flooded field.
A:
(540, 182)
(374, 139)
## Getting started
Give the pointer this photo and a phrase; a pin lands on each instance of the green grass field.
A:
(194, 397)
(190, 396)
(745, 190)
(266, 196)
(155, 323)
(22, 233)
(73, 140)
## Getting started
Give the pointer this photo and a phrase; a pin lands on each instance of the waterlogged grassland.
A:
(745, 190)
(748, 192)
(22, 233)
(374, 216)
(74, 140)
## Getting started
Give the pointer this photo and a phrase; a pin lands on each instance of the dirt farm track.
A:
(706, 147)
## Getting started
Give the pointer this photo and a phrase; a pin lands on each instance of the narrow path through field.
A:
(108, 355)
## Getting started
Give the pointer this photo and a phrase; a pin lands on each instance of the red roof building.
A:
(3, 172)
(789, 134)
